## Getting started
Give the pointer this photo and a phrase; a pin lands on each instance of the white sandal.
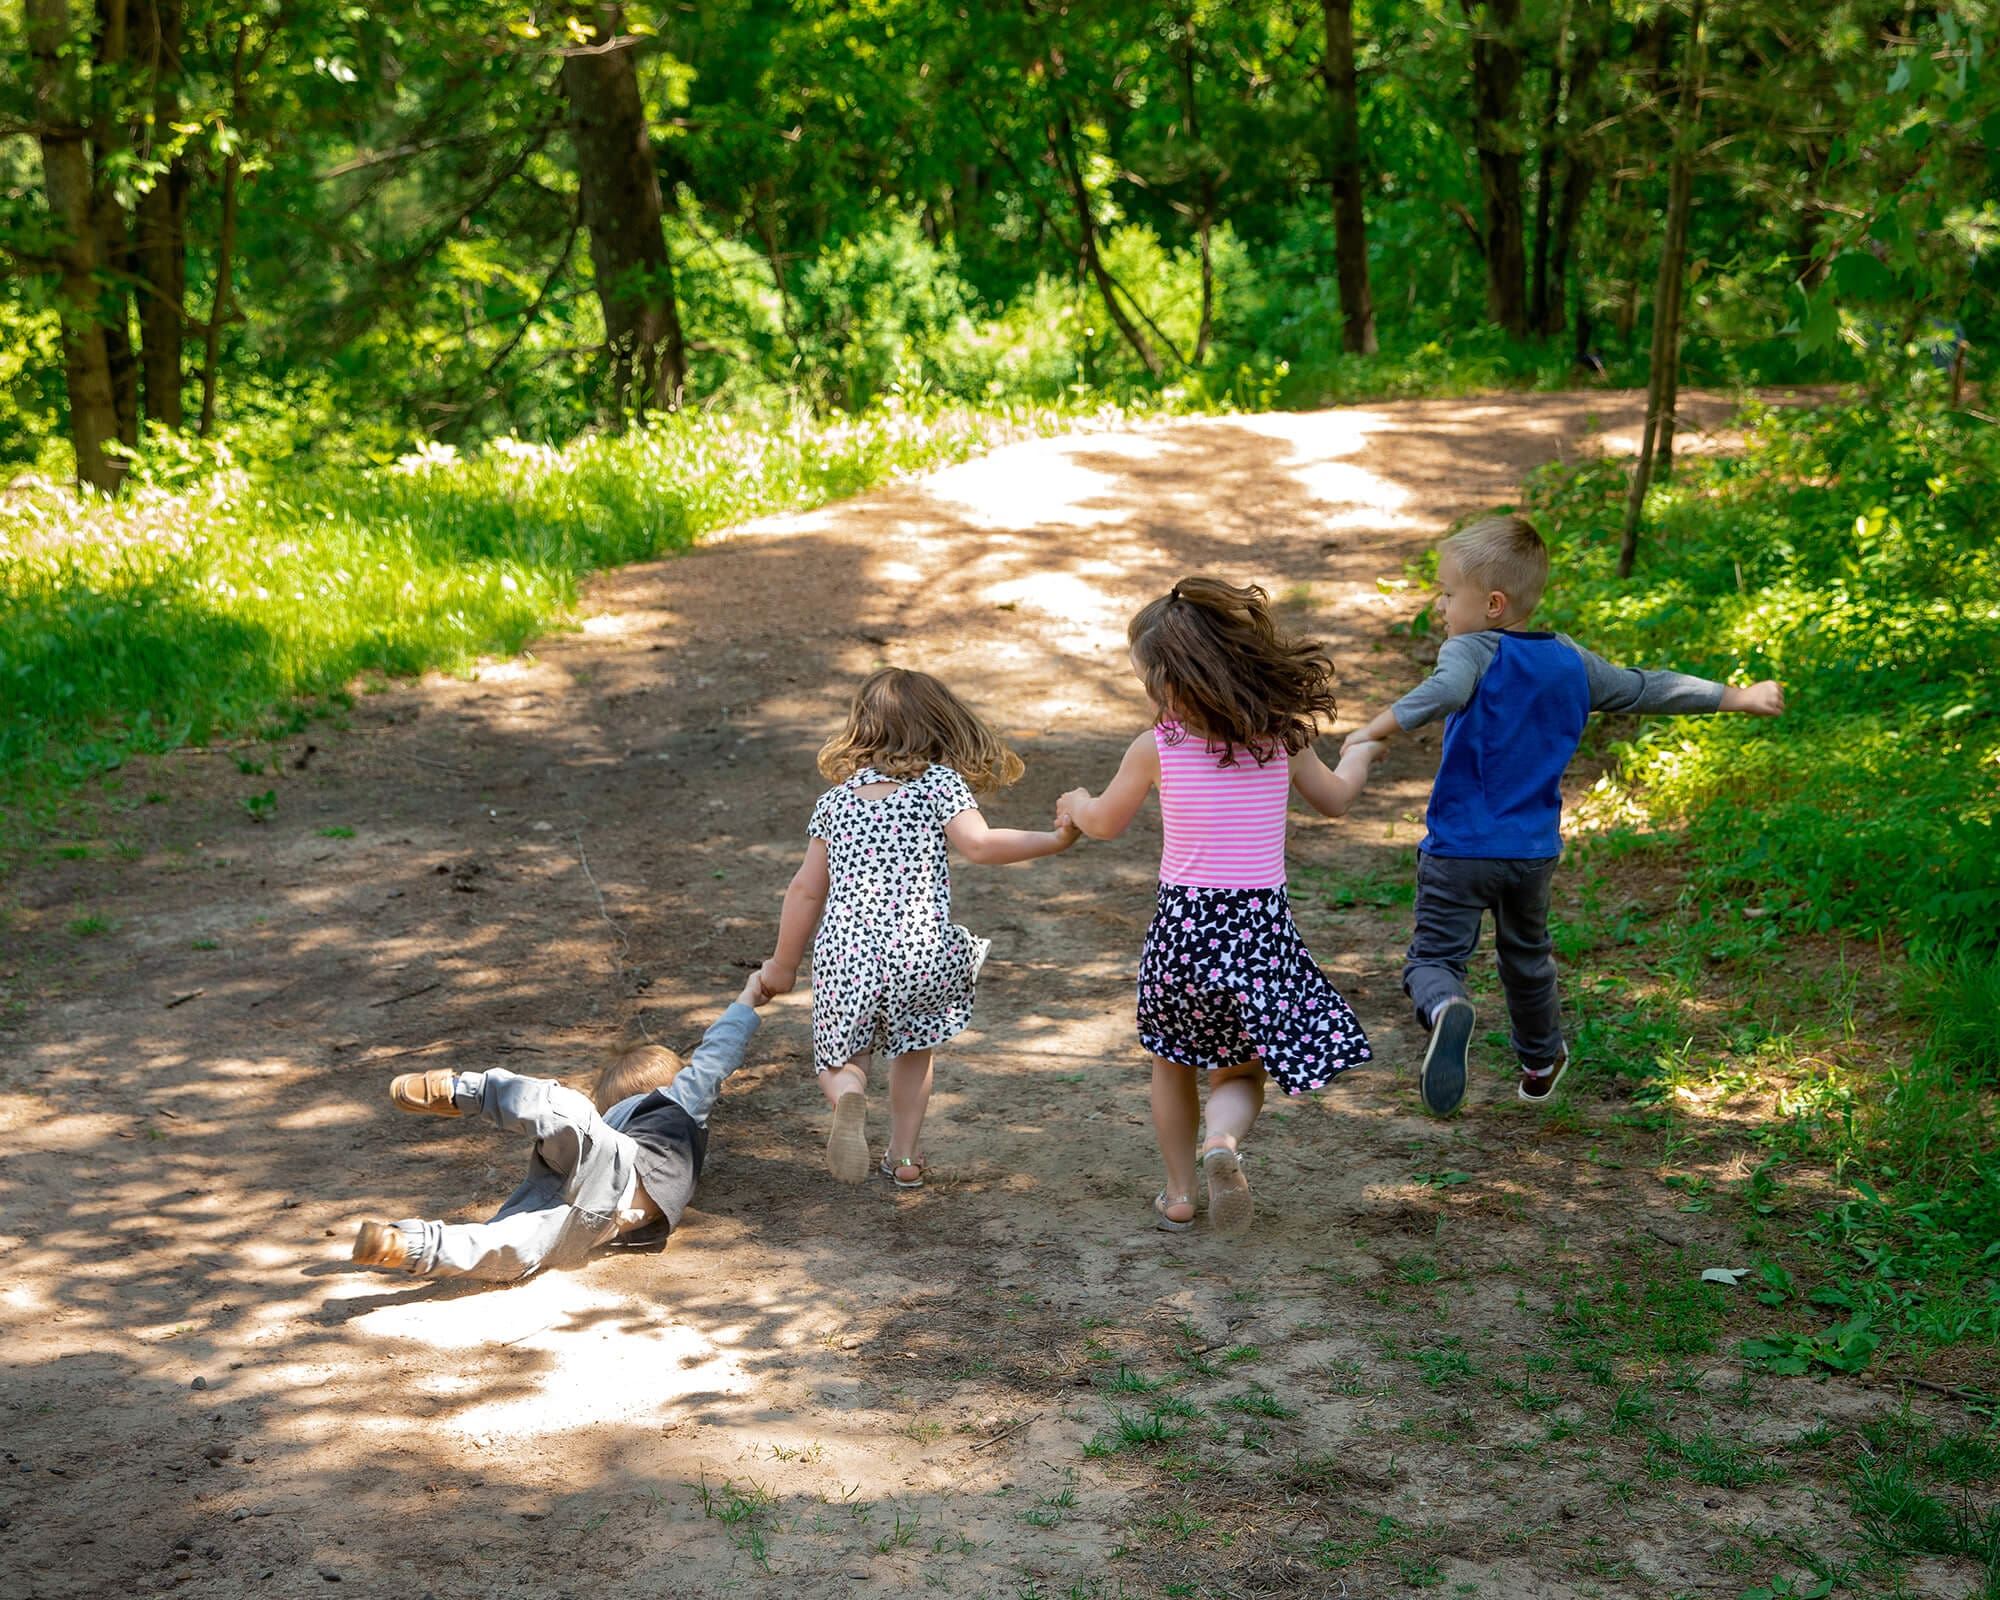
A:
(1172, 1224)
(1229, 1206)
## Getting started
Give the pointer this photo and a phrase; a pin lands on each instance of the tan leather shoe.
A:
(380, 1244)
(424, 1092)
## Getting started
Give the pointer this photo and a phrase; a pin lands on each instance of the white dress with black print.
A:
(892, 972)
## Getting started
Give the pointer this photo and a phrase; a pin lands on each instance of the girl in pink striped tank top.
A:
(1227, 988)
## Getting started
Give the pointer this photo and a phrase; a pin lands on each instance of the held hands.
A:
(1067, 833)
(1066, 809)
(1364, 751)
(1764, 699)
(774, 979)
(754, 993)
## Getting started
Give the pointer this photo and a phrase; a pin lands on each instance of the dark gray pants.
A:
(1453, 893)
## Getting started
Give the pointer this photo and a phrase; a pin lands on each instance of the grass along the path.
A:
(221, 597)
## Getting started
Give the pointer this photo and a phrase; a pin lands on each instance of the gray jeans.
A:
(564, 1208)
(1453, 894)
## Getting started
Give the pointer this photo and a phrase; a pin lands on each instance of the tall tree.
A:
(1496, 136)
(160, 241)
(1568, 163)
(1656, 446)
(1347, 178)
(618, 188)
(93, 412)
(110, 143)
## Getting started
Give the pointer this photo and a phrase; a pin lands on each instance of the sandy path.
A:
(808, 1390)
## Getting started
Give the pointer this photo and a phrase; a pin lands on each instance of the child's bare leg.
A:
(846, 1090)
(849, 1079)
(1176, 1111)
(1235, 1096)
(909, 1098)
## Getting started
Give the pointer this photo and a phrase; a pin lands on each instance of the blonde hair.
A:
(1503, 553)
(636, 1069)
(901, 722)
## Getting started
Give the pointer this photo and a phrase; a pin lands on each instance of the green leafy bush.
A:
(1848, 553)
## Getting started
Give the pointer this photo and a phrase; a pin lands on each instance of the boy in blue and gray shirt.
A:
(1515, 703)
(619, 1169)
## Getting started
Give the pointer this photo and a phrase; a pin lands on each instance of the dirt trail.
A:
(813, 1389)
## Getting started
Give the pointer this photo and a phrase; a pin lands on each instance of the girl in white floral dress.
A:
(893, 975)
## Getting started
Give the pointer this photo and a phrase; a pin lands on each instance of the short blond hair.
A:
(636, 1069)
(1503, 553)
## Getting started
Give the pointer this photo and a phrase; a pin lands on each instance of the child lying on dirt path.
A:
(624, 1175)
(1515, 704)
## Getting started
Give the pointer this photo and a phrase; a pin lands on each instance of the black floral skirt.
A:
(1225, 978)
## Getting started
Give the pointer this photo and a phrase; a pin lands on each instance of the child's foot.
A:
(906, 1172)
(380, 1244)
(1174, 1212)
(1538, 1079)
(1229, 1208)
(847, 1139)
(426, 1092)
(1442, 1080)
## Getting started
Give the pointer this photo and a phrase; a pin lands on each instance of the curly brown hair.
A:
(636, 1069)
(1214, 661)
(903, 721)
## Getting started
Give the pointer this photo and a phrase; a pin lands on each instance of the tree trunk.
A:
(1663, 376)
(1062, 146)
(161, 247)
(1204, 186)
(1347, 180)
(618, 190)
(225, 248)
(1546, 163)
(1496, 85)
(93, 413)
(109, 139)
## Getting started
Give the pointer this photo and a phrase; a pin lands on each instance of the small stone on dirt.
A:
(199, 1383)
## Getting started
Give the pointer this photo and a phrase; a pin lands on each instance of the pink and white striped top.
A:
(1224, 826)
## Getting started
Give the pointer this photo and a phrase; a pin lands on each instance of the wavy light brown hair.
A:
(636, 1069)
(1214, 661)
(902, 721)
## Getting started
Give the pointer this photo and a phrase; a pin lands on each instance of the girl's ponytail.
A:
(1213, 660)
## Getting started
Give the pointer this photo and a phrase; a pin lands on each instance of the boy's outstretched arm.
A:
(1109, 814)
(1462, 661)
(805, 903)
(720, 1053)
(1677, 694)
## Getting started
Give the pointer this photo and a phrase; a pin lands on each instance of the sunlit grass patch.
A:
(204, 598)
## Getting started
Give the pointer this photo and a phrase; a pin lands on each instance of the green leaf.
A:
(1821, 325)
(1858, 275)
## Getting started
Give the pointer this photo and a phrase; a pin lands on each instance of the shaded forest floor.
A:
(1473, 1356)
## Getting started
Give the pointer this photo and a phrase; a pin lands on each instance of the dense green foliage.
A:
(213, 592)
(1848, 553)
(903, 195)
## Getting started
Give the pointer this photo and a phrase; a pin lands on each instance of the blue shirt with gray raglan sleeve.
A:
(1515, 705)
